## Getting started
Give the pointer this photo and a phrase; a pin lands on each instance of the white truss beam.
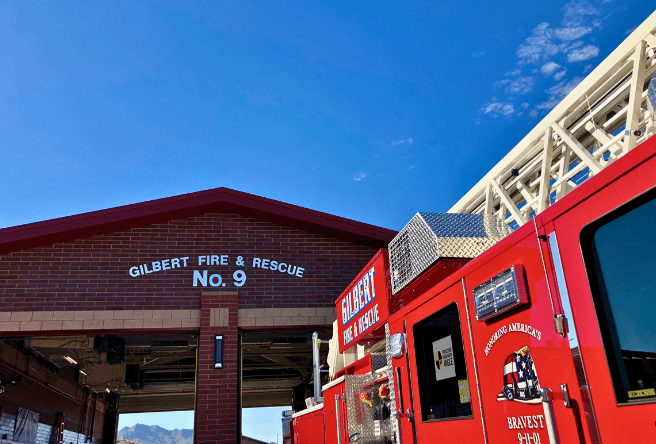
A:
(545, 167)
(635, 96)
(579, 150)
(603, 118)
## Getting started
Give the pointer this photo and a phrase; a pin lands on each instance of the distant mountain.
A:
(155, 435)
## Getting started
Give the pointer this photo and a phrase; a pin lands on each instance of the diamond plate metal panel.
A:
(392, 404)
(430, 236)
(378, 361)
(368, 414)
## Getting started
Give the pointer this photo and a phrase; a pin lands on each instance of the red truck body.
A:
(565, 364)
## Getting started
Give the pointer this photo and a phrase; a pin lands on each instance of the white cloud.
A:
(359, 176)
(521, 85)
(412, 167)
(572, 33)
(586, 53)
(558, 92)
(409, 141)
(577, 11)
(476, 55)
(539, 46)
(549, 68)
(587, 68)
(629, 31)
(495, 109)
(546, 42)
(501, 83)
(547, 49)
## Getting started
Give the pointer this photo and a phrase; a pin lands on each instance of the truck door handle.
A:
(400, 390)
(566, 399)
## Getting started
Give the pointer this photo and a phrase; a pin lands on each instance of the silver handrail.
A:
(545, 395)
(339, 420)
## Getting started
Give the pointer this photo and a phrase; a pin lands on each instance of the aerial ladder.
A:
(607, 115)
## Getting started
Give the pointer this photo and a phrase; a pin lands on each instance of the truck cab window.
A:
(443, 385)
(619, 251)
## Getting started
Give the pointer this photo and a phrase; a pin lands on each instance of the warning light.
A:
(503, 292)
(397, 341)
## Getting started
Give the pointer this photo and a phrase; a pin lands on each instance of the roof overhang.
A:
(223, 200)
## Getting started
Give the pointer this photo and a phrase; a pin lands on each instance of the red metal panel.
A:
(435, 274)
(309, 428)
(521, 349)
(468, 429)
(334, 407)
(362, 309)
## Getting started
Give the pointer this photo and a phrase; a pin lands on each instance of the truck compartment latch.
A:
(560, 324)
(566, 400)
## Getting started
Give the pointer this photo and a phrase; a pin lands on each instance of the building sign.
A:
(206, 270)
(363, 307)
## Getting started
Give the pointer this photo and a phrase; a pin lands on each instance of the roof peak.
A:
(221, 199)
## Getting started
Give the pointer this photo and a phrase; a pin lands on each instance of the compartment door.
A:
(444, 395)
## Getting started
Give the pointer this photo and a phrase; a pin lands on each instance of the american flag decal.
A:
(520, 379)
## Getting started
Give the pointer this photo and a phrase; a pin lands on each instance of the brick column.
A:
(217, 400)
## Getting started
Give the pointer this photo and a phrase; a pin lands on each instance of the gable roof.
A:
(222, 200)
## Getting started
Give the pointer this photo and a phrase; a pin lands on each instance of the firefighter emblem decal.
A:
(520, 379)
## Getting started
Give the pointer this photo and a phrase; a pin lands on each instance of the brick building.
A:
(118, 310)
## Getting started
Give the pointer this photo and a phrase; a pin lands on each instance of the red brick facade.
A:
(90, 273)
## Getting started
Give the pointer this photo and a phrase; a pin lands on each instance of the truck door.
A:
(605, 250)
(437, 376)
(524, 363)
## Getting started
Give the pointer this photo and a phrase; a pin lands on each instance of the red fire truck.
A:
(548, 336)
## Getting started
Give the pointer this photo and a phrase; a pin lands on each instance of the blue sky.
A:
(367, 110)
(167, 420)
(263, 423)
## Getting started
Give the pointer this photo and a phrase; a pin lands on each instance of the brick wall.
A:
(92, 273)
(217, 401)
